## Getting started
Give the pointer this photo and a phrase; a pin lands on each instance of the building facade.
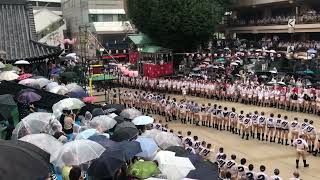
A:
(52, 5)
(295, 19)
(104, 19)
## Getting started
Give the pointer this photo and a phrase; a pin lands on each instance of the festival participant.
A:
(247, 123)
(242, 169)
(184, 92)
(241, 126)
(317, 150)
(296, 176)
(232, 167)
(303, 126)
(208, 115)
(183, 112)
(214, 116)
(225, 118)
(317, 111)
(206, 152)
(220, 154)
(189, 148)
(203, 115)
(294, 129)
(196, 111)
(168, 111)
(282, 103)
(201, 147)
(270, 128)
(188, 138)
(261, 126)
(311, 135)
(262, 175)
(278, 132)
(260, 97)
(285, 130)
(251, 175)
(219, 117)
(255, 122)
(221, 164)
(233, 119)
(301, 145)
(276, 176)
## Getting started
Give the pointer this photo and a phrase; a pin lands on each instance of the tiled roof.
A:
(18, 35)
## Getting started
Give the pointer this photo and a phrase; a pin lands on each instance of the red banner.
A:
(157, 70)
(133, 57)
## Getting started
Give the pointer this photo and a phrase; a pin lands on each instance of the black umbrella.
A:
(107, 164)
(114, 108)
(180, 151)
(7, 104)
(97, 112)
(119, 119)
(130, 148)
(205, 170)
(123, 134)
(21, 160)
(104, 141)
(125, 124)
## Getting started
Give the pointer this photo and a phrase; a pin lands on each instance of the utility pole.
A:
(84, 42)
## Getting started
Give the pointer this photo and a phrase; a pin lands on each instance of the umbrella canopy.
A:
(2, 65)
(119, 119)
(143, 120)
(149, 147)
(43, 82)
(176, 167)
(130, 113)
(144, 169)
(151, 133)
(28, 96)
(205, 170)
(115, 108)
(78, 94)
(34, 123)
(234, 64)
(180, 151)
(312, 51)
(86, 134)
(51, 85)
(129, 148)
(68, 103)
(62, 90)
(8, 76)
(43, 141)
(24, 76)
(74, 87)
(77, 152)
(68, 76)
(124, 131)
(166, 139)
(107, 164)
(7, 105)
(103, 122)
(22, 62)
(104, 141)
(30, 82)
(97, 112)
(20, 160)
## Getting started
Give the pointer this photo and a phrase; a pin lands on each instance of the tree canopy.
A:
(177, 24)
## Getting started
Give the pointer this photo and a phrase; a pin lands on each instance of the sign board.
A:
(292, 23)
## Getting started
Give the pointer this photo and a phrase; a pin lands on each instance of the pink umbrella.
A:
(130, 73)
(126, 72)
(123, 69)
(135, 73)
(90, 99)
(24, 76)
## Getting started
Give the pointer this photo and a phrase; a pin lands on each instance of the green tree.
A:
(178, 24)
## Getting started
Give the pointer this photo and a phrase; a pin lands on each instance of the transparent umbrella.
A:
(77, 152)
(176, 167)
(151, 133)
(143, 120)
(148, 146)
(103, 122)
(130, 113)
(43, 82)
(34, 123)
(44, 141)
(8, 76)
(68, 103)
(74, 87)
(86, 134)
(51, 85)
(166, 139)
(62, 90)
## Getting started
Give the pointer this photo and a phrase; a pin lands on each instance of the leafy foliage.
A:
(177, 24)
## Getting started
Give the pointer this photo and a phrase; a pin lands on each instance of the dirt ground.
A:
(256, 152)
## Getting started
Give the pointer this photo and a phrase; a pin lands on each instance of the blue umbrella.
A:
(107, 164)
(104, 141)
(28, 96)
(130, 148)
(142, 120)
(86, 134)
(205, 170)
(312, 51)
(149, 147)
(78, 94)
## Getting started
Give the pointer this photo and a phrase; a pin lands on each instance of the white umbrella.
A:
(43, 82)
(71, 55)
(167, 139)
(34, 123)
(151, 133)
(272, 51)
(51, 85)
(2, 65)
(234, 64)
(28, 82)
(67, 104)
(103, 122)
(74, 87)
(8, 76)
(77, 152)
(21, 62)
(143, 120)
(62, 90)
(44, 141)
(173, 167)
